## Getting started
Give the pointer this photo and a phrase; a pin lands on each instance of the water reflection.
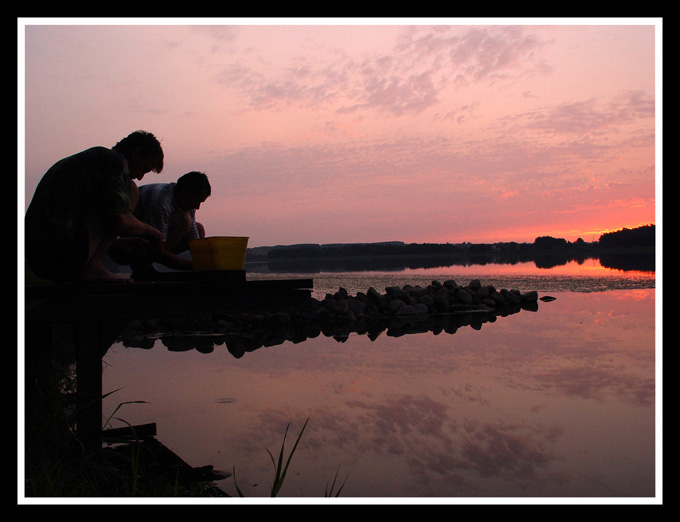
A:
(642, 261)
(249, 332)
(587, 276)
(555, 403)
(437, 307)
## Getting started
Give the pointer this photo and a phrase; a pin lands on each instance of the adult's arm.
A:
(128, 225)
(167, 258)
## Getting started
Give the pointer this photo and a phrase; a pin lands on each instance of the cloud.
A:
(494, 52)
(407, 80)
(396, 95)
(438, 130)
(592, 115)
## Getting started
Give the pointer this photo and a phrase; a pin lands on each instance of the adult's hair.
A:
(194, 181)
(145, 144)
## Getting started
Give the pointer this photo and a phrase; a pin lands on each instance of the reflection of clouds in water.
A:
(393, 422)
(507, 449)
(448, 444)
(581, 347)
(437, 447)
(462, 449)
(598, 383)
(549, 403)
(469, 393)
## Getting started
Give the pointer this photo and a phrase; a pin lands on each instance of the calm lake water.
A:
(554, 403)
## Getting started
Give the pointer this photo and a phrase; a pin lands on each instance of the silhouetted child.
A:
(171, 208)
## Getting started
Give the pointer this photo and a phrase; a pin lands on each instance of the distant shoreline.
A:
(626, 247)
(595, 251)
(621, 258)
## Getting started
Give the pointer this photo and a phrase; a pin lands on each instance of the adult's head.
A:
(192, 189)
(143, 153)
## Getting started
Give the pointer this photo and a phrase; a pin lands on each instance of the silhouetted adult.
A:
(82, 203)
(171, 208)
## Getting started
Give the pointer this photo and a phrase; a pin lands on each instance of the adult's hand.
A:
(129, 225)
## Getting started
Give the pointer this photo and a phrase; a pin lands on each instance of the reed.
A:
(329, 492)
(58, 465)
(281, 469)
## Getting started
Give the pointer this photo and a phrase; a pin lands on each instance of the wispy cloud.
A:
(480, 126)
(407, 80)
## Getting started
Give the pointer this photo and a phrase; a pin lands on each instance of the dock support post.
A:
(87, 341)
(91, 340)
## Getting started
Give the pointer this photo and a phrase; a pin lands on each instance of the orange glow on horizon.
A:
(588, 235)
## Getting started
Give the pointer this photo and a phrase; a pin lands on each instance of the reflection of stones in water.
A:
(182, 342)
(439, 307)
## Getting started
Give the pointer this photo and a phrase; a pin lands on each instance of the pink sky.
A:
(374, 130)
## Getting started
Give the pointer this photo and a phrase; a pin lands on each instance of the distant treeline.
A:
(642, 237)
(635, 237)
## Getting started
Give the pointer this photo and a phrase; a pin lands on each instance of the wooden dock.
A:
(96, 314)
(172, 294)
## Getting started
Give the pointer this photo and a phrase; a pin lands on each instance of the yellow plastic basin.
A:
(219, 253)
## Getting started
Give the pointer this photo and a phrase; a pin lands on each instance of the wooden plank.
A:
(196, 282)
(126, 301)
(140, 432)
(230, 277)
(283, 283)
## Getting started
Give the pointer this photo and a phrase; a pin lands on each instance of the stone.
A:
(463, 296)
(483, 292)
(422, 309)
(528, 297)
(395, 305)
(356, 306)
(441, 303)
(511, 297)
(475, 284)
(373, 294)
(427, 300)
(417, 292)
(340, 294)
(407, 310)
(439, 307)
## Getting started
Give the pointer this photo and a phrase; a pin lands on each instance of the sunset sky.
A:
(363, 130)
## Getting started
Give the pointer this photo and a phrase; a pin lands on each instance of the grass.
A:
(281, 469)
(58, 465)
